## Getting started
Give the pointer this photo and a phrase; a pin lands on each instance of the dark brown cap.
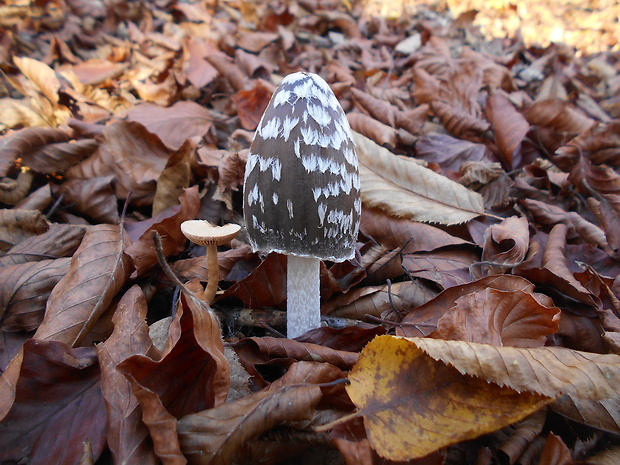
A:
(302, 185)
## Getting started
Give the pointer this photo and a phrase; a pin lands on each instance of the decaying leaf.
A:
(128, 438)
(99, 269)
(413, 405)
(406, 189)
(25, 291)
(220, 435)
(72, 405)
(449, 391)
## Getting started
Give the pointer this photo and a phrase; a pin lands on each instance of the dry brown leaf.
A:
(395, 233)
(174, 124)
(548, 214)
(405, 189)
(41, 75)
(25, 291)
(600, 143)
(17, 113)
(219, 436)
(601, 414)
(191, 375)
(449, 152)
(375, 300)
(174, 179)
(378, 109)
(423, 320)
(27, 143)
(548, 371)
(554, 270)
(555, 452)
(446, 267)
(499, 318)
(199, 71)
(60, 240)
(509, 126)
(142, 252)
(99, 269)
(17, 225)
(459, 123)
(134, 155)
(231, 170)
(481, 386)
(251, 104)
(128, 437)
(382, 134)
(505, 244)
(93, 198)
(559, 115)
(38, 425)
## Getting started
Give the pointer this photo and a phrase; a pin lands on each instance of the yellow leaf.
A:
(414, 405)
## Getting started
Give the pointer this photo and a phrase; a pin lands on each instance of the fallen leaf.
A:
(71, 407)
(399, 390)
(499, 318)
(60, 240)
(251, 104)
(266, 352)
(93, 198)
(25, 290)
(142, 252)
(406, 189)
(18, 225)
(219, 436)
(174, 124)
(397, 232)
(175, 177)
(505, 244)
(99, 269)
(423, 320)
(127, 436)
(449, 152)
(509, 126)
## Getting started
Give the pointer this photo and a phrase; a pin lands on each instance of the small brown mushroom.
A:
(201, 232)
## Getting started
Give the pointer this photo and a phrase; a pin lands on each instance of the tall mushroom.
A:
(302, 189)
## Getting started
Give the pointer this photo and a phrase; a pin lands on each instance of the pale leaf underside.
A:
(405, 189)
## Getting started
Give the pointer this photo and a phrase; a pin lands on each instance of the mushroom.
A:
(201, 232)
(302, 189)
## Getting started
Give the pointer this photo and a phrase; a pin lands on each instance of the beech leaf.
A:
(62, 386)
(218, 436)
(406, 189)
(413, 405)
(99, 269)
(418, 395)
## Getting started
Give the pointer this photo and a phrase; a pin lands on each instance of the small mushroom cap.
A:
(202, 232)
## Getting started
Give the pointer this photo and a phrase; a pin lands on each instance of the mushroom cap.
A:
(302, 185)
(202, 232)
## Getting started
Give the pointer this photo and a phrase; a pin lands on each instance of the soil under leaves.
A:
(478, 324)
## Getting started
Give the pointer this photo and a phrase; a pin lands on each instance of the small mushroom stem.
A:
(303, 295)
(213, 268)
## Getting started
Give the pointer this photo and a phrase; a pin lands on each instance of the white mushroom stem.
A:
(303, 295)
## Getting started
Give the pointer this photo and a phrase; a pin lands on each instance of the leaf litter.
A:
(478, 323)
